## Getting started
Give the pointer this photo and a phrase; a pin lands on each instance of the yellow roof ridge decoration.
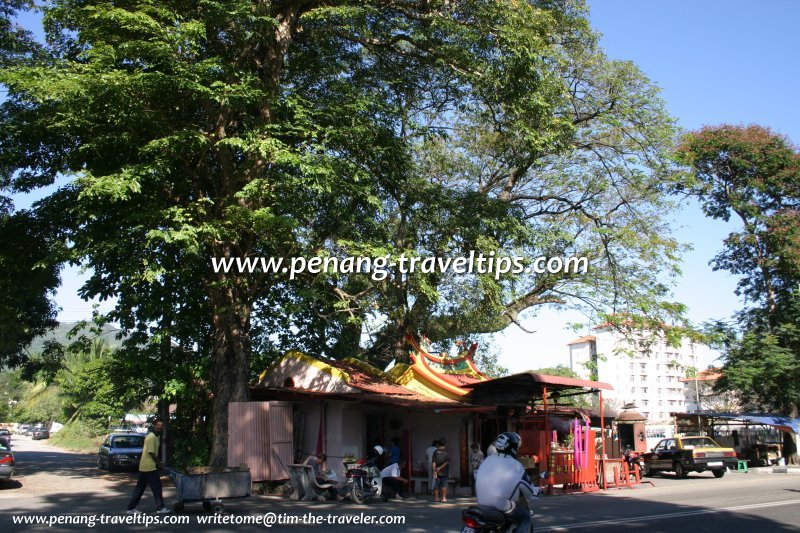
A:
(367, 368)
(397, 371)
(427, 373)
(307, 359)
(461, 365)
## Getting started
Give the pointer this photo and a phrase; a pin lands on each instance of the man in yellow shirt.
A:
(149, 471)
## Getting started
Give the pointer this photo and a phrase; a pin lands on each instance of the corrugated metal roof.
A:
(521, 389)
(560, 382)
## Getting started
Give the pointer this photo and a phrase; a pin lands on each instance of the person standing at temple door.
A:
(475, 460)
(441, 471)
(429, 458)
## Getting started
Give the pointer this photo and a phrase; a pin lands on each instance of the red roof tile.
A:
(366, 381)
(585, 338)
(460, 379)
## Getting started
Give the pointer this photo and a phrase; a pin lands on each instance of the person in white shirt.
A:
(429, 457)
(391, 476)
(502, 482)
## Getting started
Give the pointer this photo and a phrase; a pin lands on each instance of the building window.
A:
(633, 377)
(633, 390)
(644, 390)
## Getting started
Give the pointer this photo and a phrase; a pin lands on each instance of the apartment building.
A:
(643, 371)
(701, 396)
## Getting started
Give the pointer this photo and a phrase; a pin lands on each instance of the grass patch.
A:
(77, 437)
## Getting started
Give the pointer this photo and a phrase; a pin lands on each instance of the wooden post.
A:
(603, 442)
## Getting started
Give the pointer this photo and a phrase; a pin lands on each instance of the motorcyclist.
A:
(501, 481)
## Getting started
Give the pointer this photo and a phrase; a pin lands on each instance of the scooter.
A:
(485, 519)
(633, 458)
(364, 483)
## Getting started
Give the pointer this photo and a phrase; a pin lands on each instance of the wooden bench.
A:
(305, 485)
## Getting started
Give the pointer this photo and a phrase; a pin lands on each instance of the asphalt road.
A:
(53, 485)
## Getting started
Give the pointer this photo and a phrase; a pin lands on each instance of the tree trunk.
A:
(790, 448)
(230, 367)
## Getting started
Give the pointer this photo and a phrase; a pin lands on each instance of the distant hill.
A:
(60, 334)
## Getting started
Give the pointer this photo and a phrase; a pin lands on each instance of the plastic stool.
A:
(741, 466)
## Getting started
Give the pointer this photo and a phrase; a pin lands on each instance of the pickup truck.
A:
(689, 454)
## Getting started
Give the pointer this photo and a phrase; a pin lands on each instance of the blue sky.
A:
(716, 62)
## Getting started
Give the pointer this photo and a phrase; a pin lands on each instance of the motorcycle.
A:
(633, 458)
(485, 519)
(364, 482)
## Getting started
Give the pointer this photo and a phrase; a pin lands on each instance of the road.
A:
(53, 484)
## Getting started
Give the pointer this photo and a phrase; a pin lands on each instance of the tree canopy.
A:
(753, 174)
(193, 129)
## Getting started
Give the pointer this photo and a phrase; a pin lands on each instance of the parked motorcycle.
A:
(485, 519)
(364, 483)
(633, 458)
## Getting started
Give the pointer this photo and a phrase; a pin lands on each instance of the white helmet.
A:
(378, 448)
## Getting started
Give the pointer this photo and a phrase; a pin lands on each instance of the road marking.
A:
(669, 515)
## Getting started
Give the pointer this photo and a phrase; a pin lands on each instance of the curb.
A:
(775, 470)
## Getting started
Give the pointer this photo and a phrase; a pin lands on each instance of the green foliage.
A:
(87, 386)
(30, 277)
(198, 129)
(582, 400)
(558, 370)
(752, 173)
(40, 403)
(80, 435)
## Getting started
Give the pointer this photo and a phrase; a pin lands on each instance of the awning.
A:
(520, 389)
(781, 422)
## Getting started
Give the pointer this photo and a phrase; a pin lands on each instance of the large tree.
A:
(752, 174)
(29, 276)
(193, 129)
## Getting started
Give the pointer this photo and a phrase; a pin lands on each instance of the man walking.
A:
(149, 471)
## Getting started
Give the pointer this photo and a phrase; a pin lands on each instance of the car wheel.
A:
(719, 473)
(646, 471)
(680, 471)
